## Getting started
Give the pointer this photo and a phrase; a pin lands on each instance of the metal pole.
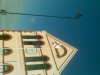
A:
(77, 16)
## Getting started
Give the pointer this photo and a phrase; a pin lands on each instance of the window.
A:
(38, 67)
(5, 37)
(32, 37)
(35, 59)
(7, 68)
(1, 67)
(5, 51)
(31, 50)
(33, 42)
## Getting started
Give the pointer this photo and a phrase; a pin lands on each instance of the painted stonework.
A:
(33, 53)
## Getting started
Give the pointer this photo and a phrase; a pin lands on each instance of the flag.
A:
(56, 44)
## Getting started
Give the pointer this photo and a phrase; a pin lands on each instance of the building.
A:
(33, 53)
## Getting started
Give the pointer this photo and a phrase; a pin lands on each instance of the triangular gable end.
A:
(61, 55)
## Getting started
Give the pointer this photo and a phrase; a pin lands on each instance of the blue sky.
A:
(83, 33)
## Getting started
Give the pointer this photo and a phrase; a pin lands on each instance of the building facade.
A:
(33, 53)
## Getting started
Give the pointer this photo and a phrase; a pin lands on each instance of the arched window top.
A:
(5, 37)
(7, 68)
(39, 67)
(32, 37)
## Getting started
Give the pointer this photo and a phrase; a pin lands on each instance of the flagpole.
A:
(77, 15)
